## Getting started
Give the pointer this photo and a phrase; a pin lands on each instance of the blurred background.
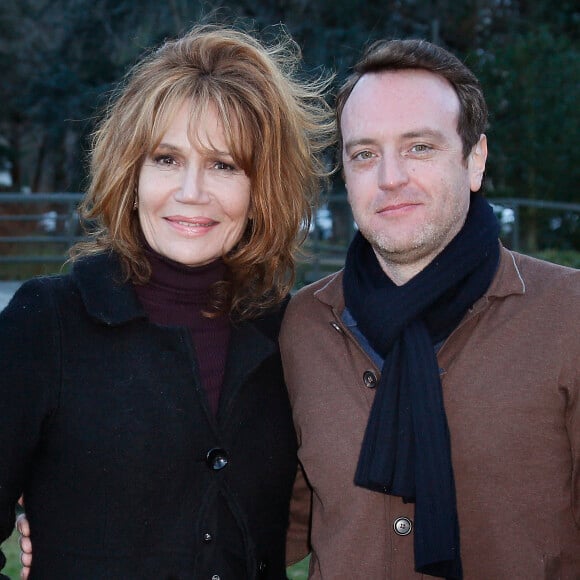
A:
(61, 58)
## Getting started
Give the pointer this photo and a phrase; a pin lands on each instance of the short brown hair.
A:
(276, 122)
(393, 55)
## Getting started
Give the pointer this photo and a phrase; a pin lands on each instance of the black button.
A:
(370, 379)
(262, 568)
(216, 458)
(207, 538)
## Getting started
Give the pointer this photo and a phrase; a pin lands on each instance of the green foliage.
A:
(299, 571)
(11, 550)
(532, 87)
(526, 54)
(12, 569)
(568, 258)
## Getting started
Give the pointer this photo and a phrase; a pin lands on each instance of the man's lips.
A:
(397, 207)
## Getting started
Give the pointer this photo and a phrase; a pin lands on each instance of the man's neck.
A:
(400, 274)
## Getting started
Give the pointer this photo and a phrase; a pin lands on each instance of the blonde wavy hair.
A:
(277, 124)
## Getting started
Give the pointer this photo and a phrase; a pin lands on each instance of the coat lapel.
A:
(105, 294)
(251, 343)
(249, 348)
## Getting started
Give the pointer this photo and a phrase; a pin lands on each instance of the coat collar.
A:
(105, 293)
(508, 280)
(112, 300)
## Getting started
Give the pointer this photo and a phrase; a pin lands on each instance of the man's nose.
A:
(393, 171)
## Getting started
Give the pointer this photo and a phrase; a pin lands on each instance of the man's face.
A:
(407, 181)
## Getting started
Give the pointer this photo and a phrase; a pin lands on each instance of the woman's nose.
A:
(193, 187)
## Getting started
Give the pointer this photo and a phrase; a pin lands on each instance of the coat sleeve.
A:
(297, 539)
(28, 381)
(569, 383)
(571, 386)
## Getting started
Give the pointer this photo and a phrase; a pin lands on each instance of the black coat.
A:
(105, 428)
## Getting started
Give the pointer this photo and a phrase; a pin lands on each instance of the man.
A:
(434, 380)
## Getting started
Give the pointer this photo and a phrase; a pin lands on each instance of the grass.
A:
(299, 571)
(12, 552)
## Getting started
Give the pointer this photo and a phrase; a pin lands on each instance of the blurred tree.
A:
(60, 59)
(532, 86)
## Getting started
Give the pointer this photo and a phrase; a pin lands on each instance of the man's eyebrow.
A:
(421, 133)
(358, 142)
(424, 133)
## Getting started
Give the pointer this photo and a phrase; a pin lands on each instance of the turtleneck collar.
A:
(177, 295)
(173, 286)
(179, 278)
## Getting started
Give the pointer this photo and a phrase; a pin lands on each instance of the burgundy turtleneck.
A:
(176, 295)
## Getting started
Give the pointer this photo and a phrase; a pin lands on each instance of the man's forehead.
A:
(409, 100)
(407, 77)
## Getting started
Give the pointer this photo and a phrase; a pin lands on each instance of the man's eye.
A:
(363, 155)
(420, 148)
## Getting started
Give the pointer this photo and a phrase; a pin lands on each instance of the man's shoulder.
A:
(541, 276)
(311, 305)
(539, 264)
(528, 291)
(327, 290)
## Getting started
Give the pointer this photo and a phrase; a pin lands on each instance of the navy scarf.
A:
(406, 449)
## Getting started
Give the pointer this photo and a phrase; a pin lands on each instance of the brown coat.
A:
(511, 388)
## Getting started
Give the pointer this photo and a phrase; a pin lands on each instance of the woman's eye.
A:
(222, 165)
(164, 160)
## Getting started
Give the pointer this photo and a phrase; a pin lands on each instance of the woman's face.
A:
(193, 201)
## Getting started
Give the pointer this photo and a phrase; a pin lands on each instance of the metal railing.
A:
(50, 228)
(326, 255)
(39, 228)
(516, 203)
(511, 225)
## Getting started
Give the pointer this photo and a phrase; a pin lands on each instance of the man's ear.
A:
(476, 163)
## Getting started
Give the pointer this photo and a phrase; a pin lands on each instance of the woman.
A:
(144, 415)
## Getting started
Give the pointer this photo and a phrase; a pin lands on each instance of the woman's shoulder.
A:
(38, 291)
(38, 294)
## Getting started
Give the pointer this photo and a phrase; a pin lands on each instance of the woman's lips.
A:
(194, 225)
